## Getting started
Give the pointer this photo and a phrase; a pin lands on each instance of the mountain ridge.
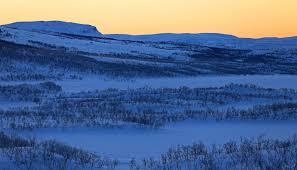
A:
(35, 24)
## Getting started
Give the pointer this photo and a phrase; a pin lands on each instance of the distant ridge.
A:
(204, 39)
(214, 40)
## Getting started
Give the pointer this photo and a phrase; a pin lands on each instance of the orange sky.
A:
(245, 18)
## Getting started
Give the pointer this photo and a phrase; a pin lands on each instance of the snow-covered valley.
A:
(144, 102)
(132, 142)
(93, 83)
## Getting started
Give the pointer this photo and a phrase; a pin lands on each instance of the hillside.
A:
(77, 49)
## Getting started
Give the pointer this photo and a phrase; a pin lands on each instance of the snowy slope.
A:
(171, 54)
(57, 27)
(93, 45)
(97, 46)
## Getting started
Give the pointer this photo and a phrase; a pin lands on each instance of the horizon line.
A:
(157, 33)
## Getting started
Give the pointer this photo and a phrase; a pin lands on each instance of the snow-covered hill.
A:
(203, 39)
(157, 55)
(27, 35)
(56, 27)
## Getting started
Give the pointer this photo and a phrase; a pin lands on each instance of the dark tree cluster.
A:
(61, 62)
(146, 106)
(28, 92)
(260, 153)
(28, 154)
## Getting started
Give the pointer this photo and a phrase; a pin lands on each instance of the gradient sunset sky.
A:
(244, 18)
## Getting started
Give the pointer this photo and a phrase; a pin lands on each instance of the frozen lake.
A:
(126, 143)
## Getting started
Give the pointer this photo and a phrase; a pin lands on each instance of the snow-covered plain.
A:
(131, 142)
(93, 83)
(137, 142)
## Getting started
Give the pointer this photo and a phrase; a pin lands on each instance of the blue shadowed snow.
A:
(126, 143)
(269, 81)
